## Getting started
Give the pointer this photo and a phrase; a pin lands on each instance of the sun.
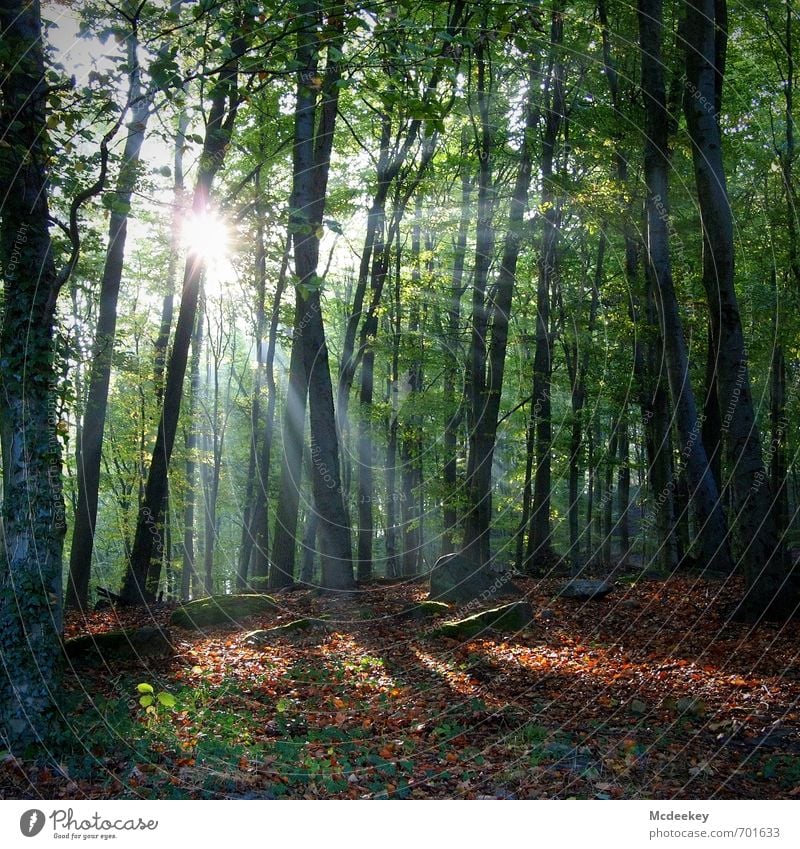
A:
(205, 236)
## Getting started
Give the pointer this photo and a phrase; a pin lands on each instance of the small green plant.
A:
(784, 768)
(151, 701)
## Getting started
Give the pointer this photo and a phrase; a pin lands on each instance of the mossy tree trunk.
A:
(33, 507)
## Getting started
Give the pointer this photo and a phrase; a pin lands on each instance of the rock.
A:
(124, 645)
(423, 610)
(267, 635)
(455, 578)
(217, 609)
(638, 707)
(691, 706)
(584, 589)
(510, 617)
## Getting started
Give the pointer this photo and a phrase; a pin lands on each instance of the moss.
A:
(266, 635)
(424, 610)
(217, 609)
(509, 617)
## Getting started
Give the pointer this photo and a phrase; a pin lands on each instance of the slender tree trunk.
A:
(33, 520)
(624, 489)
(579, 368)
(218, 133)
(492, 323)
(452, 405)
(527, 493)
(189, 572)
(90, 446)
(590, 459)
(540, 544)
(392, 569)
(162, 340)
(705, 497)
(281, 568)
(608, 499)
(255, 536)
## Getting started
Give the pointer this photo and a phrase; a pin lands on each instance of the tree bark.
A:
(539, 540)
(33, 505)
(491, 323)
(217, 137)
(189, 571)
(90, 445)
(311, 165)
(713, 540)
(453, 406)
(767, 592)
(282, 567)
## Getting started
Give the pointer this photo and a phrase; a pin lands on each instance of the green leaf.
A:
(146, 701)
(144, 688)
(283, 705)
(167, 700)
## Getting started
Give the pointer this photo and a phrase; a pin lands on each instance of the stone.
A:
(509, 617)
(219, 609)
(267, 635)
(585, 589)
(455, 578)
(124, 645)
(424, 610)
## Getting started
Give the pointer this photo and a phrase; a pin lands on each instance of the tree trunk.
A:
(255, 534)
(189, 572)
(767, 593)
(281, 568)
(608, 499)
(624, 489)
(89, 447)
(392, 569)
(452, 405)
(705, 497)
(217, 137)
(540, 545)
(33, 507)
(491, 323)
(311, 165)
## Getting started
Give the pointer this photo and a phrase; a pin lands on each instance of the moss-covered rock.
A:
(510, 617)
(585, 589)
(424, 610)
(124, 645)
(455, 578)
(267, 635)
(216, 609)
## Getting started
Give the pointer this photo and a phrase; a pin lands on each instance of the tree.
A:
(313, 140)
(89, 446)
(33, 507)
(713, 536)
(768, 593)
(219, 128)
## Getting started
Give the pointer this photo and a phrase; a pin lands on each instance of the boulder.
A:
(216, 609)
(124, 645)
(455, 578)
(266, 635)
(423, 610)
(510, 617)
(585, 589)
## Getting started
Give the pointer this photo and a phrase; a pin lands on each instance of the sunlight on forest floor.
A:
(646, 695)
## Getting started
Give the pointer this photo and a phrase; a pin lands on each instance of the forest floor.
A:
(648, 694)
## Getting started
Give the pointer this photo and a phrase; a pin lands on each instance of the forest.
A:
(399, 399)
